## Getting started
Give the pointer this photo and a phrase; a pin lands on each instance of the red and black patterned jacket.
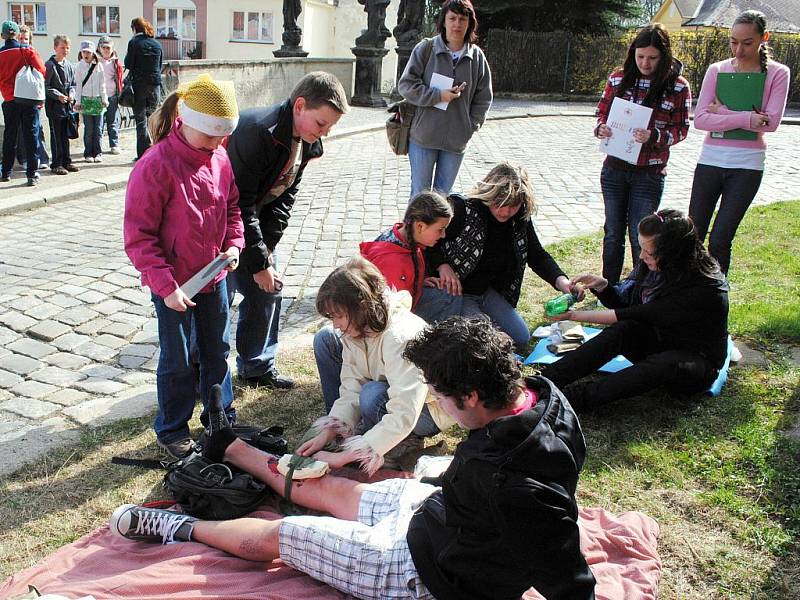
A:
(669, 122)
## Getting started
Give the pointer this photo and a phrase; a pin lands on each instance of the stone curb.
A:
(73, 191)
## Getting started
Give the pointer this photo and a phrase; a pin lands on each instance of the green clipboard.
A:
(741, 91)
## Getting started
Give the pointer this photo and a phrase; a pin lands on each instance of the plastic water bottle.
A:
(559, 304)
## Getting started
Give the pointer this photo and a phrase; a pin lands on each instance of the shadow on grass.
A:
(60, 481)
(615, 434)
(784, 457)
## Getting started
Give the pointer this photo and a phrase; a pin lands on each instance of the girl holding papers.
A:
(181, 212)
(448, 79)
(650, 77)
(742, 98)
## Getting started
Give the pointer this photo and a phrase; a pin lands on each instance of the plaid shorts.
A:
(368, 558)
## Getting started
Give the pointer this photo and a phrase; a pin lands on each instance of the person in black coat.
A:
(269, 151)
(477, 268)
(143, 61)
(59, 84)
(669, 318)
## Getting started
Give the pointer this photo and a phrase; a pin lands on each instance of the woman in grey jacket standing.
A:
(440, 134)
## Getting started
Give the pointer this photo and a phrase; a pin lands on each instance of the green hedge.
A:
(561, 62)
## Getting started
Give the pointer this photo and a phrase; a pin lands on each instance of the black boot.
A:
(219, 434)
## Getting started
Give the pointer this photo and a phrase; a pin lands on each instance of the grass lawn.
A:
(717, 473)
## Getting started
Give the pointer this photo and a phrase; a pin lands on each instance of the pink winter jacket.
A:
(181, 211)
(776, 89)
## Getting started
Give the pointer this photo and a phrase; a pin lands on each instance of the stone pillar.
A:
(292, 34)
(369, 51)
(408, 33)
(369, 67)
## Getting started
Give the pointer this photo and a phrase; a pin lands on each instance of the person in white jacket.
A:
(91, 99)
(380, 394)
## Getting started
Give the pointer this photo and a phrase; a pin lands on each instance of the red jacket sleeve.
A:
(35, 60)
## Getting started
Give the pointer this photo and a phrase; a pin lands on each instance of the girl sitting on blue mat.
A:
(669, 318)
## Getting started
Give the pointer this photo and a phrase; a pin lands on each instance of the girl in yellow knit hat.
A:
(181, 212)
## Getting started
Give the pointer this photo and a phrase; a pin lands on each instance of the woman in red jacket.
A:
(399, 252)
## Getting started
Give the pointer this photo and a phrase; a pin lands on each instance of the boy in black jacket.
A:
(501, 519)
(269, 150)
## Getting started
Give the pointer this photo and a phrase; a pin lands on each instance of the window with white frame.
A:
(176, 23)
(99, 19)
(252, 26)
(31, 14)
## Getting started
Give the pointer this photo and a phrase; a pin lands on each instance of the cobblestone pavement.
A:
(77, 335)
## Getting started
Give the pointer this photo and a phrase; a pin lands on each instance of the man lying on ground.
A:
(502, 517)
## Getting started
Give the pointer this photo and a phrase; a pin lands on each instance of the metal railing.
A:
(178, 49)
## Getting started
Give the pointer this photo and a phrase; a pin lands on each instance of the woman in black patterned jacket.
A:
(479, 265)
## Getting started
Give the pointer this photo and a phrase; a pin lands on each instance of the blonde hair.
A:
(61, 37)
(506, 185)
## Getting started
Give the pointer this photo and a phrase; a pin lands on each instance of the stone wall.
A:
(261, 82)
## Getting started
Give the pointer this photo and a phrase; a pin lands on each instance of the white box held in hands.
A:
(623, 118)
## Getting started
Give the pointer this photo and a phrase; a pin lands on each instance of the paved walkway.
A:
(77, 335)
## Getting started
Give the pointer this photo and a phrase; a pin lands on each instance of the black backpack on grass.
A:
(214, 491)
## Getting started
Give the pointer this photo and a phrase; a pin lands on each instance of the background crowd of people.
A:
(86, 90)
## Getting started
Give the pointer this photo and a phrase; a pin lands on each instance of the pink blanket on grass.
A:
(621, 551)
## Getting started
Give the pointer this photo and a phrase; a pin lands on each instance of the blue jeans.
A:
(92, 134)
(423, 161)
(629, 196)
(26, 117)
(504, 316)
(436, 305)
(111, 120)
(374, 394)
(175, 375)
(257, 329)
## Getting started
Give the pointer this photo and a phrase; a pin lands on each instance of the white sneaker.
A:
(115, 150)
(736, 355)
(150, 524)
(98, 159)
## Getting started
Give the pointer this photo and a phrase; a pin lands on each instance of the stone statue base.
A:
(369, 67)
(290, 52)
(403, 54)
(291, 47)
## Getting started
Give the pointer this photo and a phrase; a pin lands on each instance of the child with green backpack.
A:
(91, 99)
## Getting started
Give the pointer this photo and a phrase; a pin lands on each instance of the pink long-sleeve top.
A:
(776, 90)
(181, 211)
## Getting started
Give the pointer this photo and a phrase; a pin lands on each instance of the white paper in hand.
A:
(623, 118)
(440, 82)
(205, 276)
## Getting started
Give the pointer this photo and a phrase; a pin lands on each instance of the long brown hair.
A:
(142, 25)
(160, 123)
(655, 35)
(359, 289)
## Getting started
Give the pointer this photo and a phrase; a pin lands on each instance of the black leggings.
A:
(738, 188)
(655, 366)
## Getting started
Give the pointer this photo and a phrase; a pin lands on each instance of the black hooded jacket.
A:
(506, 518)
(689, 315)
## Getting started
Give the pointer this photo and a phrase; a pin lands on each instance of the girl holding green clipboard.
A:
(742, 98)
